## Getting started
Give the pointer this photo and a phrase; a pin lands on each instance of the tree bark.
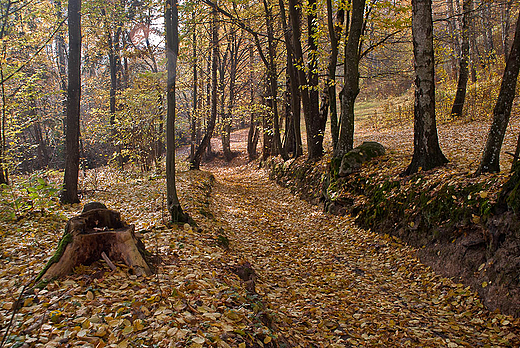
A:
(43, 154)
(252, 137)
(267, 125)
(195, 162)
(69, 194)
(194, 116)
(254, 133)
(90, 235)
(171, 22)
(273, 81)
(490, 162)
(506, 15)
(62, 65)
(314, 126)
(335, 31)
(351, 87)
(115, 83)
(460, 96)
(488, 32)
(427, 152)
(454, 37)
(295, 99)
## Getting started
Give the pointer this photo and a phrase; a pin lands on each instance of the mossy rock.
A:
(509, 198)
(371, 149)
(352, 160)
(350, 163)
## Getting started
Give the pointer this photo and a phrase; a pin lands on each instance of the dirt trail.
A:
(330, 283)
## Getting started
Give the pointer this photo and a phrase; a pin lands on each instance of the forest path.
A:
(333, 284)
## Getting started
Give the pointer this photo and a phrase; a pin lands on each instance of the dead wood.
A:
(90, 235)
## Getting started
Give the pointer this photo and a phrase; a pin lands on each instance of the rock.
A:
(353, 159)
(371, 149)
(350, 162)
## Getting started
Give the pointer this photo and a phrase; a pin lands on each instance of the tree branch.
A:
(35, 54)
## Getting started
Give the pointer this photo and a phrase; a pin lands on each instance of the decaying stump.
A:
(89, 235)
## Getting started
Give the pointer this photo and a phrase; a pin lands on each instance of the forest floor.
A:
(319, 281)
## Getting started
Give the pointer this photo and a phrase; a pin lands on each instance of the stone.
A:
(352, 160)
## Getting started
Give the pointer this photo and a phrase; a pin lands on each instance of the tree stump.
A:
(89, 235)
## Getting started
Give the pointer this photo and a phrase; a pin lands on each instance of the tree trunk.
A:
(427, 153)
(254, 132)
(335, 30)
(289, 142)
(295, 99)
(62, 65)
(458, 103)
(90, 235)
(222, 117)
(267, 126)
(351, 88)
(506, 20)
(3, 167)
(171, 22)
(490, 162)
(114, 65)
(453, 37)
(194, 116)
(314, 126)
(273, 81)
(205, 143)
(234, 58)
(43, 154)
(488, 32)
(252, 137)
(69, 194)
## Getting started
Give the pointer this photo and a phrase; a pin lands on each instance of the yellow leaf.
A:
(242, 345)
(483, 195)
(484, 284)
(268, 339)
(127, 330)
(90, 295)
(138, 325)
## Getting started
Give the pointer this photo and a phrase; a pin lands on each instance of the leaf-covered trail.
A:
(334, 284)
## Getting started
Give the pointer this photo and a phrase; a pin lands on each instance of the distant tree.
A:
(69, 193)
(505, 24)
(490, 162)
(453, 33)
(427, 152)
(272, 76)
(460, 96)
(293, 141)
(195, 161)
(171, 22)
(335, 31)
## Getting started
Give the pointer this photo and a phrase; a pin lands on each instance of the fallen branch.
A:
(107, 260)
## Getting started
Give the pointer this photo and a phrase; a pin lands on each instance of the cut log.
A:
(89, 235)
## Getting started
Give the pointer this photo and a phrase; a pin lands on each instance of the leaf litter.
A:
(320, 281)
(333, 284)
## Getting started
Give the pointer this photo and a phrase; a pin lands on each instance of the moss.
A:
(62, 245)
(372, 149)
(420, 209)
(511, 190)
(335, 163)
